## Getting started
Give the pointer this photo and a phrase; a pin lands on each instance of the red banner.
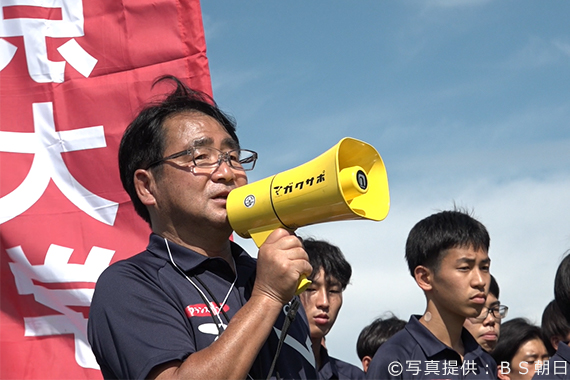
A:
(73, 74)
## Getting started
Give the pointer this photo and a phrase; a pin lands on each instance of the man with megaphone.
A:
(194, 304)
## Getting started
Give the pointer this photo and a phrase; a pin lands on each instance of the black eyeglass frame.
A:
(496, 311)
(222, 156)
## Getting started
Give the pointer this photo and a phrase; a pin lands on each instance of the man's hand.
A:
(280, 263)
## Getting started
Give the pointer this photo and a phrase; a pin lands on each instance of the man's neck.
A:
(446, 327)
(316, 346)
(207, 243)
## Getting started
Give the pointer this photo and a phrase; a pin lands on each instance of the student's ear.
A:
(366, 363)
(424, 277)
(501, 375)
(143, 180)
(555, 340)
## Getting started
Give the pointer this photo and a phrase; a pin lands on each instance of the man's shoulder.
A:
(401, 346)
(127, 275)
(347, 370)
(138, 261)
(390, 358)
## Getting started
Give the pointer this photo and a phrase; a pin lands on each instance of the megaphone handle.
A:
(302, 285)
(259, 238)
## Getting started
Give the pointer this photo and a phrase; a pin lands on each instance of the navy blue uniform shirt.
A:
(332, 368)
(557, 367)
(144, 313)
(415, 353)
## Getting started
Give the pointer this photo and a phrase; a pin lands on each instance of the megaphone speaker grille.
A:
(362, 180)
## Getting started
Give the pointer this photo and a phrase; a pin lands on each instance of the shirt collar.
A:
(187, 259)
(563, 351)
(328, 370)
(431, 345)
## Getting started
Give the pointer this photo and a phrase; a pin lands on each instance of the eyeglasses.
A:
(208, 157)
(499, 312)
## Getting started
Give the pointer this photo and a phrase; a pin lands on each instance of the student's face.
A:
(529, 355)
(184, 195)
(487, 331)
(322, 302)
(460, 284)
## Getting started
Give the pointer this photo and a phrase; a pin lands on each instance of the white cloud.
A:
(563, 46)
(456, 3)
(539, 52)
(233, 80)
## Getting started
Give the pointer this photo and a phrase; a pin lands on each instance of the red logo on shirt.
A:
(202, 310)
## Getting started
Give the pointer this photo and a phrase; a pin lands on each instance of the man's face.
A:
(487, 331)
(461, 283)
(195, 196)
(530, 356)
(322, 301)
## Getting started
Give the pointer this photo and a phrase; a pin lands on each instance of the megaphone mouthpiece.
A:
(353, 182)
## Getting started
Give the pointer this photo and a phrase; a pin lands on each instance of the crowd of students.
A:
(461, 334)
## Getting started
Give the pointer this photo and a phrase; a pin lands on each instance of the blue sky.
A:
(467, 102)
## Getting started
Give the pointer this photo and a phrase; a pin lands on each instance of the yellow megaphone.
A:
(347, 182)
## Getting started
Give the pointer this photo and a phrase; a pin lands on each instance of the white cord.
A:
(200, 290)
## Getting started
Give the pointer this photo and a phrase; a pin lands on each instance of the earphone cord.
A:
(220, 307)
(291, 314)
(202, 295)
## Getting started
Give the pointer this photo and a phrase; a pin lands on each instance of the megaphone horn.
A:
(347, 182)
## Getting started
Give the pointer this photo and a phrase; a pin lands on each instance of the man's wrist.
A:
(267, 300)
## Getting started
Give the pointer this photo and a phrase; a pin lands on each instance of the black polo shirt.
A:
(332, 368)
(144, 313)
(557, 367)
(415, 353)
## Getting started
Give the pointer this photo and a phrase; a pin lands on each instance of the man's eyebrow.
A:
(471, 261)
(465, 260)
(207, 141)
(204, 141)
(230, 143)
(334, 283)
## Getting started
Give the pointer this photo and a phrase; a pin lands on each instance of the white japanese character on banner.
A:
(47, 145)
(35, 31)
(56, 270)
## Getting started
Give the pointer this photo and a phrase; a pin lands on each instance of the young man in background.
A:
(322, 302)
(447, 254)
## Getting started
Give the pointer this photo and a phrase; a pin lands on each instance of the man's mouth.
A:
(321, 319)
(490, 335)
(479, 298)
(221, 196)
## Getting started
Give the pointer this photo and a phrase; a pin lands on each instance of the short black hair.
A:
(144, 139)
(431, 237)
(514, 334)
(329, 257)
(553, 324)
(562, 286)
(376, 334)
(494, 287)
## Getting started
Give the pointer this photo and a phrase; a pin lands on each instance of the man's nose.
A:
(323, 298)
(224, 170)
(490, 319)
